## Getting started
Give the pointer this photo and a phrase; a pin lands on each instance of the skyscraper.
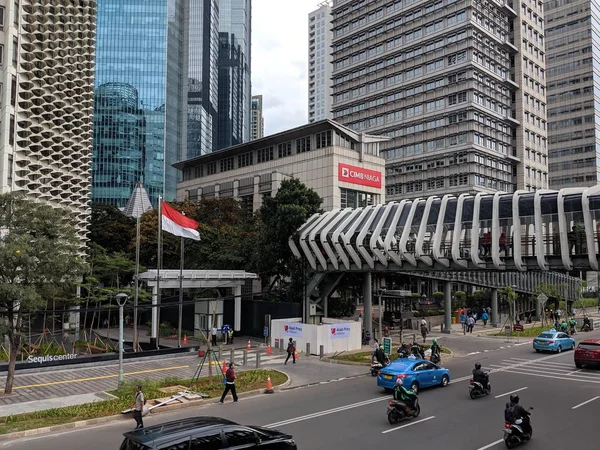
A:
(572, 34)
(320, 36)
(258, 122)
(46, 87)
(458, 85)
(234, 73)
(156, 93)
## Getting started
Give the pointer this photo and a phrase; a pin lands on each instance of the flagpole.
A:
(180, 294)
(158, 267)
(137, 285)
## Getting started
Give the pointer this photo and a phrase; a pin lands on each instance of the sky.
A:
(280, 61)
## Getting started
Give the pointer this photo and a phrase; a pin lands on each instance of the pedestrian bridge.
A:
(522, 231)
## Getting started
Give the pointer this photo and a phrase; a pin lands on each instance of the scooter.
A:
(376, 366)
(514, 435)
(398, 410)
(435, 358)
(476, 389)
(586, 327)
(403, 352)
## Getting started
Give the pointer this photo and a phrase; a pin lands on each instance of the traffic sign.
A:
(387, 345)
(266, 332)
(542, 298)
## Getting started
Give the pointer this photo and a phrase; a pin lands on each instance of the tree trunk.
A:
(15, 345)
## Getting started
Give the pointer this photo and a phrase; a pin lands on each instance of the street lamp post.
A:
(121, 300)
(381, 309)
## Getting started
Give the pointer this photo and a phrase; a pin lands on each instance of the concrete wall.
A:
(318, 335)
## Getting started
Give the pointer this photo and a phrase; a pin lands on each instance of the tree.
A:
(510, 296)
(554, 293)
(111, 229)
(280, 217)
(39, 253)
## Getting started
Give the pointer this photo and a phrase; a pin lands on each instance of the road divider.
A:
(493, 444)
(511, 392)
(586, 402)
(408, 424)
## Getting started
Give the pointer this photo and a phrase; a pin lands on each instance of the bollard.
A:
(308, 349)
(245, 357)
(441, 327)
(231, 355)
(257, 360)
(321, 351)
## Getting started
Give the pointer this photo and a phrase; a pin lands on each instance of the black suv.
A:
(206, 433)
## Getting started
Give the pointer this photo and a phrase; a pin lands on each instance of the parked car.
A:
(587, 353)
(200, 433)
(415, 373)
(553, 341)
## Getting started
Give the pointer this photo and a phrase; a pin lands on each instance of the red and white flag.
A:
(176, 223)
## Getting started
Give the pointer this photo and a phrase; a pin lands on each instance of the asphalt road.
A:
(350, 414)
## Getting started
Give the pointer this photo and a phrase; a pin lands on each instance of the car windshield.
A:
(589, 346)
(128, 444)
(546, 335)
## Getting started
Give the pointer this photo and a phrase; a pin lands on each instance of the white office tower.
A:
(319, 63)
(257, 125)
(47, 51)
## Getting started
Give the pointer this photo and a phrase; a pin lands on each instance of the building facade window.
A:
(303, 144)
(226, 164)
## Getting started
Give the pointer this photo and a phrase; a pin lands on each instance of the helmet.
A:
(434, 341)
(477, 366)
(514, 398)
(399, 381)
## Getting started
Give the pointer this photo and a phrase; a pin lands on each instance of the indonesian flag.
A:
(176, 223)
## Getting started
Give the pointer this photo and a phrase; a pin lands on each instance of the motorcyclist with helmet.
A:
(435, 352)
(518, 412)
(404, 395)
(479, 376)
(586, 323)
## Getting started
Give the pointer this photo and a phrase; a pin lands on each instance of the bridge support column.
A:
(447, 307)
(495, 318)
(368, 303)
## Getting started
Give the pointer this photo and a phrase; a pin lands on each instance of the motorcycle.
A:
(476, 389)
(403, 352)
(514, 435)
(376, 366)
(398, 410)
(586, 327)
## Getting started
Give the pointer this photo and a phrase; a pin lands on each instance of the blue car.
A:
(415, 374)
(553, 341)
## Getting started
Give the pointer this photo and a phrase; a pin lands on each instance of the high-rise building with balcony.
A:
(46, 101)
(257, 129)
(458, 85)
(572, 36)
(319, 63)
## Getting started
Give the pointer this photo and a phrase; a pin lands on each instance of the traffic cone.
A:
(269, 389)
(185, 339)
(268, 349)
(224, 366)
(249, 346)
(296, 355)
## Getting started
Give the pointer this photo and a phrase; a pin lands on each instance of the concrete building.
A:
(257, 130)
(320, 35)
(46, 102)
(458, 85)
(572, 36)
(342, 166)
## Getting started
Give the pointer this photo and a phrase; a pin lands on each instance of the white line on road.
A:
(575, 371)
(491, 445)
(408, 425)
(586, 402)
(579, 380)
(511, 392)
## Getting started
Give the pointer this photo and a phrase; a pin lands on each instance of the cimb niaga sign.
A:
(358, 175)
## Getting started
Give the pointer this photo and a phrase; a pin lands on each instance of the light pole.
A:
(121, 300)
(381, 309)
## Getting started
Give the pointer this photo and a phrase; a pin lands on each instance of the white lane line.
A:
(575, 371)
(408, 425)
(534, 360)
(579, 380)
(511, 392)
(586, 402)
(535, 370)
(491, 445)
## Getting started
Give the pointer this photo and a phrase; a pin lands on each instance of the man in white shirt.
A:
(214, 336)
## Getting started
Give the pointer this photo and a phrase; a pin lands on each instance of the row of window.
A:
(534, 103)
(575, 164)
(572, 136)
(536, 174)
(534, 85)
(569, 39)
(534, 120)
(532, 68)
(567, 123)
(452, 181)
(535, 156)
(528, 30)
(568, 95)
(574, 151)
(533, 50)
(492, 144)
(574, 179)
(567, 81)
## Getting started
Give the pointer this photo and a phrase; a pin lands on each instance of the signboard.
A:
(358, 175)
(517, 327)
(542, 298)
(292, 329)
(48, 358)
(225, 329)
(266, 332)
(340, 330)
(507, 329)
(387, 345)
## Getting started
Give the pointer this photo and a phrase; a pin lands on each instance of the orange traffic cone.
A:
(185, 339)
(249, 346)
(224, 366)
(268, 349)
(296, 355)
(269, 389)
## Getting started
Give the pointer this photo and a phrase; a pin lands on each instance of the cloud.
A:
(280, 61)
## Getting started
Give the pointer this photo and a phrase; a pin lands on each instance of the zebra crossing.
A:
(546, 367)
(247, 358)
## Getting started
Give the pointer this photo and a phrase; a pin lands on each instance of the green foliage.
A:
(461, 298)
(50, 348)
(553, 292)
(340, 307)
(112, 230)
(438, 296)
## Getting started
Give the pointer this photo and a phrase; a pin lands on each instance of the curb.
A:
(122, 417)
(324, 382)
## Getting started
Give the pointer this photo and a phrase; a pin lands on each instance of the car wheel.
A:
(445, 381)
(537, 350)
(414, 387)
(578, 365)
(559, 349)
(573, 346)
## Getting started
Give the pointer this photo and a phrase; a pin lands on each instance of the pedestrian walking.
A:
(138, 407)
(485, 318)
(291, 351)
(230, 384)
(214, 336)
(375, 348)
(470, 324)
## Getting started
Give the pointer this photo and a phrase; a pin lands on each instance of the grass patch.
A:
(246, 381)
(527, 332)
(365, 357)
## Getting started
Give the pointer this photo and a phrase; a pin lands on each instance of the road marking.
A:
(491, 445)
(580, 380)
(586, 402)
(511, 392)
(408, 425)
(103, 377)
(562, 372)
(575, 371)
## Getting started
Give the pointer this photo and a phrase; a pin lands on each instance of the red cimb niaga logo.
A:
(333, 331)
(345, 172)
(285, 327)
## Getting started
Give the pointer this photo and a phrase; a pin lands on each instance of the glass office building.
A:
(145, 118)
